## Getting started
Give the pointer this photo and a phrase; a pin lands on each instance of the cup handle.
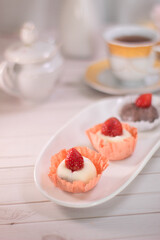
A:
(156, 50)
(3, 84)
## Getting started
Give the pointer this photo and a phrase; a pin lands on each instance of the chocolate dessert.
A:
(130, 112)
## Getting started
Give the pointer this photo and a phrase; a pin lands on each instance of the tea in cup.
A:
(131, 53)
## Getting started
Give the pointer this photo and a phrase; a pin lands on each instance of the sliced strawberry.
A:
(112, 127)
(74, 160)
(144, 100)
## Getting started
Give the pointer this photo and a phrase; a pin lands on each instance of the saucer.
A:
(99, 76)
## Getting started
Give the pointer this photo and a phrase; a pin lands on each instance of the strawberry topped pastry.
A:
(140, 110)
(77, 169)
(113, 139)
(143, 112)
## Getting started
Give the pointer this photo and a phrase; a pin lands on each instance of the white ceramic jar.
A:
(77, 27)
(31, 67)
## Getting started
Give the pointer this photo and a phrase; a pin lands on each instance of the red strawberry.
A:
(112, 127)
(144, 100)
(74, 160)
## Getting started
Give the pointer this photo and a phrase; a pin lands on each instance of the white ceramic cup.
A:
(131, 62)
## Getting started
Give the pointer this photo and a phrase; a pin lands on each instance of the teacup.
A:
(131, 53)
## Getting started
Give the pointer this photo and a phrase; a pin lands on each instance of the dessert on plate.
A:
(140, 111)
(77, 169)
(113, 139)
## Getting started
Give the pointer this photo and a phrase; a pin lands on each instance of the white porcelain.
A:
(131, 70)
(77, 23)
(31, 67)
(115, 178)
(28, 33)
(103, 80)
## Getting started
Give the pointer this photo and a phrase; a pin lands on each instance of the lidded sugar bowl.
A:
(31, 66)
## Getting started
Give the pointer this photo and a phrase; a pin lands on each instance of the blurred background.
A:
(67, 30)
(45, 13)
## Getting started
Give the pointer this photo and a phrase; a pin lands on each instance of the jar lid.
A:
(29, 50)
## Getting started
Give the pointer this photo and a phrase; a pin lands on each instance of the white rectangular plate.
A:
(114, 179)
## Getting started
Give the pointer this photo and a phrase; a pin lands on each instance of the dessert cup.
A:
(113, 150)
(100, 163)
(140, 125)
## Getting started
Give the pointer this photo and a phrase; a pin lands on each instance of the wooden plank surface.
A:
(121, 205)
(25, 214)
(145, 226)
(26, 191)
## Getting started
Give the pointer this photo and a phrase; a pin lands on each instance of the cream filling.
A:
(85, 174)
(106, 139)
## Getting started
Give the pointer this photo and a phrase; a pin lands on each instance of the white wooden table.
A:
(27, 215)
